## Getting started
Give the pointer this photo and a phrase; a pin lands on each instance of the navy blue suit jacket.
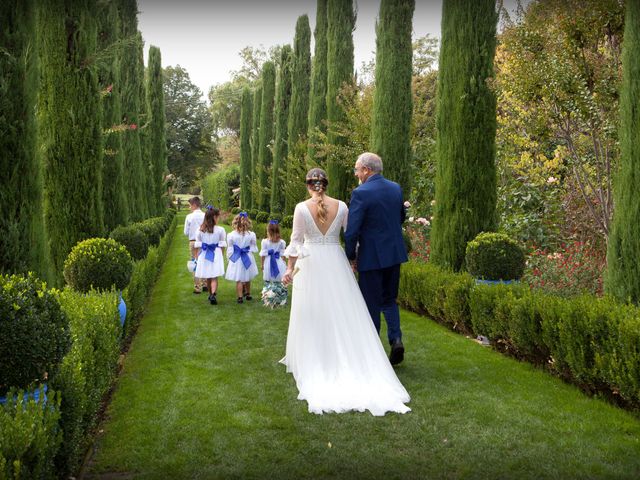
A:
(376, 213)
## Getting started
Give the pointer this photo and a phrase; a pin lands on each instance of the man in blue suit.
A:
(375, 247)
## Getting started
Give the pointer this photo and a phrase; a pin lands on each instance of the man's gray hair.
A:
(372, 161)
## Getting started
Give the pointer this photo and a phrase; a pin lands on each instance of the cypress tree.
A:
(341, 20)
(318, 99)
(392, 102)
(116, 209)
(623, 271)
(246, 114)
(156, 128)
(466, 128)
(281, 114)
(144, 188)
(22, 245)
(131, 103)
(266, 134)
(255, 144)
(70, 126)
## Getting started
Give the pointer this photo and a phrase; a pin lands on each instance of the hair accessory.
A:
(273, 222)
(243, 214)
(209, 206)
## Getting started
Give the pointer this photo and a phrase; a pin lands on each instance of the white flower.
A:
(423, 221)
(411, 219)
(552, 180)
(433, 202)
(407, 204)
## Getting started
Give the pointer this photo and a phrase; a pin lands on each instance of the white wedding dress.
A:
(333, 349)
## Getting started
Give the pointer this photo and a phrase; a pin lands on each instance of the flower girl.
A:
(274, 293)
(242, 265)
(210, 239)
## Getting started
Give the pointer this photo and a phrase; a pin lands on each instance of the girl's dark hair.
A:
(273, 232)
(209, 220)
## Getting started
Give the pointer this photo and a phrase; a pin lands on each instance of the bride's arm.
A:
(294, 250)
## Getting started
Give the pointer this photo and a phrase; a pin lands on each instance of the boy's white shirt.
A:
(192, 223)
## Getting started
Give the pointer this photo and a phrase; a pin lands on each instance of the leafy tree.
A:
(115, 200)
(466, 126)
(623, 272)
(281, 116)
(558, 70)
(70, 126)
(191, 151)
(246, 118)
(318, 93)
(392, 104)
(341, 20)
(255, 144)
(157, 123)
(22, 245)
(266, 135)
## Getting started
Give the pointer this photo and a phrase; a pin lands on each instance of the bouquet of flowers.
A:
(191, 265)
(274, 294)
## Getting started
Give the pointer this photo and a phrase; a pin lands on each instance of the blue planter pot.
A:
(480, 281)
(122, 308)
(35, 395)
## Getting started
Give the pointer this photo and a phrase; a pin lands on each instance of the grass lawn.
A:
(202, 395)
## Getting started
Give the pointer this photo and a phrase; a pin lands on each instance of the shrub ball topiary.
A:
(235, 210)
(253, 213)
(151, 230)
(34, 332)
(133, 239)
(287, 221)
(98, 263)
(495, 256)
(262, 217)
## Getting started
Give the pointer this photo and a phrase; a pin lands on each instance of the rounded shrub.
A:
(133, 239)
(152, 229)
(495, 256)
(236, 210)
(262, 217)
(99, 263)
(287, 221)
(276, 216)
(34, 332)
(253, 213)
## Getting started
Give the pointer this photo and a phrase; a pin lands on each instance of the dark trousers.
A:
(380, 291)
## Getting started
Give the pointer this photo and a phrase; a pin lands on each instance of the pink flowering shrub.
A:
(574, 269)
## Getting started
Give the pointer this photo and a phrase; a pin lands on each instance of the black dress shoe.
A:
(248, 297)
(397, 352)
(240, 300)
(212, 299)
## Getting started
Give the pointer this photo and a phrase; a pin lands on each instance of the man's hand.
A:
(354, 265)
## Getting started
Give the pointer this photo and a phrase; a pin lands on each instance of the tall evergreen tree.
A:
(116, 209)
(144, 187)
(255, 145)
(281, 114)
(246, 117)
(156, 128)
(466, 128)
(623, 271)
(132, 104)
(392, 101)
(318, 95)
(266, 134)
(22, 245)
(70, 126)
(341, 20)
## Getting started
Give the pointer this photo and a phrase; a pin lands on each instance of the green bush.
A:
(153, 228)
(217, 187)
(253, 213)
(133, 238)
(495, 256)
(236, 210)
(98, 263)
(262, 217)
(34, 332)
(30, 436)
(287, 221)
(87, 371)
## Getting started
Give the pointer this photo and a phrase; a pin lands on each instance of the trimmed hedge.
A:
(590, 341)
(34, 332)
(133, 238)
(495, 256)
(262, 217)
(98, 263)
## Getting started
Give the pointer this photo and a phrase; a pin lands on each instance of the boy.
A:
(191, 226)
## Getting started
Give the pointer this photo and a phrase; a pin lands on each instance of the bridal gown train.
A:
(333, 349)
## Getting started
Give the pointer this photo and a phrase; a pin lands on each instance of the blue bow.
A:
(275, 255)
(210, 251)
(273, 222)
(243, 214)
(243, 254)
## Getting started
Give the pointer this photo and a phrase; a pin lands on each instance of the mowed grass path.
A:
(202, 395)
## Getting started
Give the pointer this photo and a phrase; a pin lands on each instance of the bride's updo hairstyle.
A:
(317, 181)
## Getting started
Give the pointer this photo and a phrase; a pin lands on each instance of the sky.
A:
(205, 36)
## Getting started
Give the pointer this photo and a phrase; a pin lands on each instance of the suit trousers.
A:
(380, 291)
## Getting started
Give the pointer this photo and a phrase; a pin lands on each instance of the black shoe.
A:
(397, 352)
(240, 300)
(205, 288)
(248, 297)
(212, 299)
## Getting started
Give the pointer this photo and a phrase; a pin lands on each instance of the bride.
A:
(333, 349)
